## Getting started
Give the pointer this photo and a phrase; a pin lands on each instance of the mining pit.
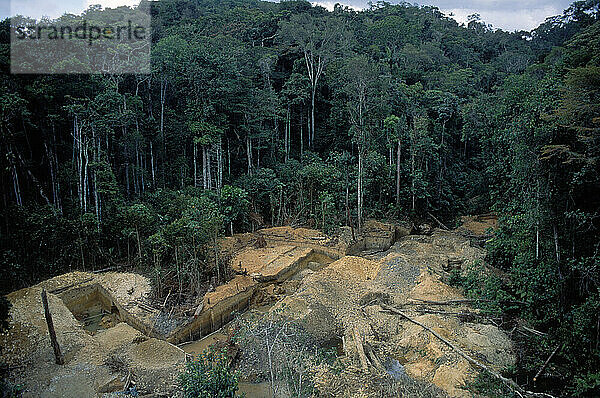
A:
(112, 335)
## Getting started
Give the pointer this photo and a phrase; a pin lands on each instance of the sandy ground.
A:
(346, 295)
(479, 225)
(151, 363)
(333, 299)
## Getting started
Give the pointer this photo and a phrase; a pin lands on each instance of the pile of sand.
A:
(347, 294)
(479, 225)
(153, 364)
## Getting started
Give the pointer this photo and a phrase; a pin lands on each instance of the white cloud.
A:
(55, 8)
(329, 5)
(510, 20)
(509, 15)
(113, 3)
(47, 8)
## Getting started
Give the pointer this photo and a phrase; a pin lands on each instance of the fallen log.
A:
(145, 306)
(545, 364)
(99, 271)
(456, 314)
(438, 221)
(465, 301)
(199, 310)
(64, 288)
(127, 382)
(166, 299)
(508, 382)
(373, 357)
(533, 331)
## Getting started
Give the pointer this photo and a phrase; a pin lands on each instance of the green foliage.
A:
(234, 206)
(262, 113)
(10, 390)
(209, 376)
(4, 312)
(491, 387)
(479, 283)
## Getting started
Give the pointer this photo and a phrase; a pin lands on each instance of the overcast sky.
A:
(506, 14)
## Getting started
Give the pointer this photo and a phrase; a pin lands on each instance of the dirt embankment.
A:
(110, 333)
(99, 323)
(345, 298)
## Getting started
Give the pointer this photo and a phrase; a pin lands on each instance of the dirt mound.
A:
(152, 363)
(347, 294)
(270, 263)
(479, 225)
(330, 297)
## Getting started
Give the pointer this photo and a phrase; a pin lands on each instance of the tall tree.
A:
(319, 39)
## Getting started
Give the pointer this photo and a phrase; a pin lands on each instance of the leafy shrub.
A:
(10, 390)
(209, 376)
(477, 283)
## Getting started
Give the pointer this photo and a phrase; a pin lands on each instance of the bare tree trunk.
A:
(347, 198)
(208, 167)
(258, 154)
(360, 188)
(85, 179)
(249, 154)
(398, 155)
(195, 165)
(204, 175)
(286, 134)
(220, 166)
(228, 158)
(141, 168)
(289, 140)
(312, 116)
(152, 164)
(412, 170)
(556, 246)
(537, 241)
(301, 138)
(96, 194)
(127, 178)
(16, 185)
(136, 169)
(163, 97)
(60, 360)
(137, 235)
(53, 179)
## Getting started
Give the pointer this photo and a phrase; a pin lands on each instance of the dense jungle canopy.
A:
(258, 113)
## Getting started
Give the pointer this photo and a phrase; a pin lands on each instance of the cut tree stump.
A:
(60, 360)
(361, 351)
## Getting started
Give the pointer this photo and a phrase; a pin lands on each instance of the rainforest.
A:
(259, 122)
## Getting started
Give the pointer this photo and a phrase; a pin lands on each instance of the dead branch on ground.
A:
(508, 382)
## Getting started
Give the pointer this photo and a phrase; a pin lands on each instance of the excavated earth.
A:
(100, 327)
(111, 335)
(408, 276)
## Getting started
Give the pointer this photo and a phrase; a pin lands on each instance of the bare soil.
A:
(106, 320)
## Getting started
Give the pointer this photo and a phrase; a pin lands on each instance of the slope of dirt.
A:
(151, 363)
(345, 296)
(479, 225)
